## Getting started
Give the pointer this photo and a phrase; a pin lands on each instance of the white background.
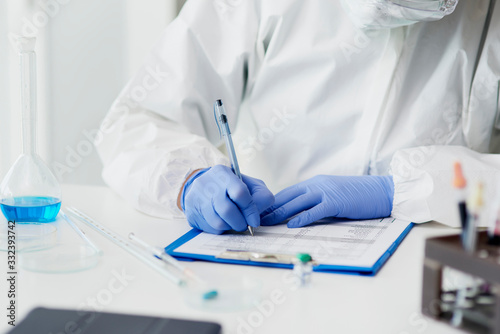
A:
(87, 50)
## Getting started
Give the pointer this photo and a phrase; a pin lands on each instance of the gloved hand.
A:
(354, 197)
(216, 200)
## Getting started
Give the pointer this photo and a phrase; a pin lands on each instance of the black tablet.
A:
(55, 321)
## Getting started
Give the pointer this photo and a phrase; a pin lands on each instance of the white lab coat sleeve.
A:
(423, 176)
(423, 181)
(161, 127)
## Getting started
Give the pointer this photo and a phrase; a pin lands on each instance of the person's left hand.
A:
(353, 197)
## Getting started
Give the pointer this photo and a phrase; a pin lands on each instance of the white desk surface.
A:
(387, 303)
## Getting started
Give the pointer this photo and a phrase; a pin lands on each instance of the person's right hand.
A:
(216, 200)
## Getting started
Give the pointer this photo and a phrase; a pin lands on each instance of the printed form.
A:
(341, 243)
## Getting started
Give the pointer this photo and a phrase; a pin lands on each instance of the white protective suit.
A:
(308, 93)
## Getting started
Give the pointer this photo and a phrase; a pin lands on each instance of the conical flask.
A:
(29, 192)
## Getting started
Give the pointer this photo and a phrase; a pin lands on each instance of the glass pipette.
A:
(149, 260)
(159, 253)
(80, 232)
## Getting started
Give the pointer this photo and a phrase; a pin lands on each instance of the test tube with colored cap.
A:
(460, 183)
(303, 268)
(469, 238)
(160, 254)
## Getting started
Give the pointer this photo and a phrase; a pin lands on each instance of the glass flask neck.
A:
(28, 100)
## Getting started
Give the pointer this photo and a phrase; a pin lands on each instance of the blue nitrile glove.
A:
(354, 197)
(216, 200)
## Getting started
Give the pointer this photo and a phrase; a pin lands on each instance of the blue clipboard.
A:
(365, 271)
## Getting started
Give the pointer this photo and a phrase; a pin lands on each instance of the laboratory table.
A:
(386, 303)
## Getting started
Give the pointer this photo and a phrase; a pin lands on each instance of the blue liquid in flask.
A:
(31, 208)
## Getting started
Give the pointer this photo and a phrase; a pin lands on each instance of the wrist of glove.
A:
(215, 200)
(353, 197)
(188, 184)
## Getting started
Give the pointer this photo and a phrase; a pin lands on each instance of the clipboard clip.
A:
(240, 255)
